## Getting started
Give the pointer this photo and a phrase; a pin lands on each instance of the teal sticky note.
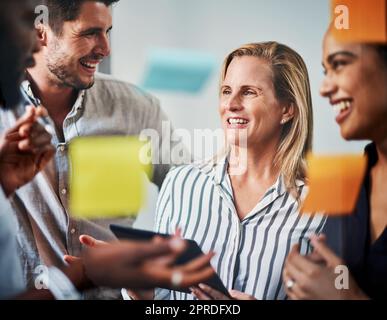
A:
(178, 70)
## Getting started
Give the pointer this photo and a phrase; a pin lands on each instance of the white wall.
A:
(217, 27)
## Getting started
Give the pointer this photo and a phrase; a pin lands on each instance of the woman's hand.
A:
(317, 276)
(25, 149)
(204, 292)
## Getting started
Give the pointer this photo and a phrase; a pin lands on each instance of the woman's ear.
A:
(288, 112)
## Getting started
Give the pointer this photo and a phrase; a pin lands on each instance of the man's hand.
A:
(141, 265)
(25, 149)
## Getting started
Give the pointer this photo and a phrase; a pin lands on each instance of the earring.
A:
(283, 121)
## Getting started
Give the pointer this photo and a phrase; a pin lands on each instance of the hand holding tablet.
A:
(193, 251)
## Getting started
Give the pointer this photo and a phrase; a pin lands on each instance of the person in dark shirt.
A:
(355, 84)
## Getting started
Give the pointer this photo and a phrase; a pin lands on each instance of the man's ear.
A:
(41, 31)
(288, 112)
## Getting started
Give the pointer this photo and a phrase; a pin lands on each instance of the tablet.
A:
(193, 251)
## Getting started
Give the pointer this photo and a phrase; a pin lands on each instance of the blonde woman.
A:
(250, 219)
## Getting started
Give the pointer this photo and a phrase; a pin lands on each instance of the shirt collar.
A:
(30, 97)
(221, 176)
(221, 170)
(28, 94)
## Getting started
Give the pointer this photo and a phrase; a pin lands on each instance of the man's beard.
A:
(57, 64)
(66, 79)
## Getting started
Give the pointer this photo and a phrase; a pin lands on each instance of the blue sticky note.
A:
(178, 70)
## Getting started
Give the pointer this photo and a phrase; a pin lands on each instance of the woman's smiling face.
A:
(248, 104)
(355, 83)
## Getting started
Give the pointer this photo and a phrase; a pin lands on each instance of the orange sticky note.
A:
(334, 183)
(359, 20)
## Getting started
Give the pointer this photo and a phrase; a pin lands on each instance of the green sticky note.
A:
(178, 70)
(108, 176)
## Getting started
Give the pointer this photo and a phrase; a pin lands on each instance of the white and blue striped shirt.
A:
(250, 254)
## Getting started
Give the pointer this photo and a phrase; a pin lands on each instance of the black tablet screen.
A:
(193, 251)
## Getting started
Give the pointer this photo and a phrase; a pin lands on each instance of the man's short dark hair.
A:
(61, 11)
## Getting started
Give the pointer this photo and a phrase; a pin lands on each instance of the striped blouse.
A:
(250, 254)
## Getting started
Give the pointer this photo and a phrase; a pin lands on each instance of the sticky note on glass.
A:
(334, 183)
(359, 21)
(178, 70)
(108, 176)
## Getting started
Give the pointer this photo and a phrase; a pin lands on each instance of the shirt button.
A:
(64, 191)
(62, 148)
(72, 231)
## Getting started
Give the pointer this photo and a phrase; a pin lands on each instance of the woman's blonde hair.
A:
(291, 83)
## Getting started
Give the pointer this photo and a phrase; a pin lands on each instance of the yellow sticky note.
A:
(108, 176)
(334, 183)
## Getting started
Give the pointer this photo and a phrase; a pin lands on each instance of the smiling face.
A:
(355, 83)
(72, 57)
(248, 103)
